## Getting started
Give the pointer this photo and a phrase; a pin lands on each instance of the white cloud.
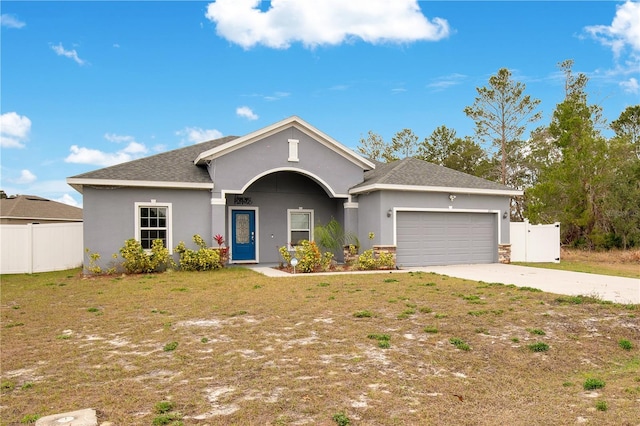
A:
(14, 130)
(246, 112)
(10, 21)
(83, 155)
(326, 22)
(445, 82)
(112, 137)
(68, 199)
(198, 135)
(631, 86)
(26, 177)
(624, 29)
(276, 96)
(72, 54)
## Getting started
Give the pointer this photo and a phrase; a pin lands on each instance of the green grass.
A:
(593, 383)
(625, 344)
(538, 347)
(274, 355)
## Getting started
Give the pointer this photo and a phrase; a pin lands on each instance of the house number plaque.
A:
(242, 201)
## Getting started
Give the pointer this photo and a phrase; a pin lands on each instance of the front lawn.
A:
(235, 347)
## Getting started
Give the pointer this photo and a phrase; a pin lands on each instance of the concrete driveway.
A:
(614, 289)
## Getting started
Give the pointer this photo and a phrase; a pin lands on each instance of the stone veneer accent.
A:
(350, 258)
(504, 253)
(385, 249)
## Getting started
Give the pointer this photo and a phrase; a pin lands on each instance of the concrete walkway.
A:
(614, 289)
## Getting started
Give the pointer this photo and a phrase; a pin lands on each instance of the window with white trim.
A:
(300, 226)
(153, 222)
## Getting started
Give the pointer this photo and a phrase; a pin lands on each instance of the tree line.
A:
(569, 171)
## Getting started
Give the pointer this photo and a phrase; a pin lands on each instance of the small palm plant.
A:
(333, 238)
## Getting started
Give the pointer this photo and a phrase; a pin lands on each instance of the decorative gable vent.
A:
(293, 150)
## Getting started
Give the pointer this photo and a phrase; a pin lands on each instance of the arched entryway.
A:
(277, 209)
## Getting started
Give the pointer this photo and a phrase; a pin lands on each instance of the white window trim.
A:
(311, 222)
(152, 203)
(293, 150)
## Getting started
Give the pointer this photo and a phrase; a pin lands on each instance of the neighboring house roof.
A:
(412, 174)
(168, 169)
(292, 121)
(32, 207)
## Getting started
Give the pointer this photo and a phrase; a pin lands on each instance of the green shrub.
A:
(309, 257)
(138, 261)
(286, 254)
(93, 267)
(367, 261)
(203, 259)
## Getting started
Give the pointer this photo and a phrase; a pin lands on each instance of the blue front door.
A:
(243, 235)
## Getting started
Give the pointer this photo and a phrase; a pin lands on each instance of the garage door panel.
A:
(441, 238)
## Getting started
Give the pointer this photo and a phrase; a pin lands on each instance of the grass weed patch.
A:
(171, 346)
(538, 347)
(460, 344)
(625, 344)
(275, 356)
(593, 383)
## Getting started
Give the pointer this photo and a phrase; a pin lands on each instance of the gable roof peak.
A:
(292, 121)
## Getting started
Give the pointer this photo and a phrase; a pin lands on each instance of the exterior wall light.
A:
(389, 213)
(452, 197)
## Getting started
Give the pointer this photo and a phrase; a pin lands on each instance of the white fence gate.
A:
(535, 243)
(34, 248)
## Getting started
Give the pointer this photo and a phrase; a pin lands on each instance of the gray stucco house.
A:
(271, 187)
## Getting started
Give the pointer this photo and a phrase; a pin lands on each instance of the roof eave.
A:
(420, 188)
(66, 219)
(78, 183)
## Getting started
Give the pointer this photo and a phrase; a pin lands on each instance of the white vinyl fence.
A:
(535, 243)
(40, 247)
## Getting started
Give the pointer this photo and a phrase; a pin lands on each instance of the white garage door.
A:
(446, 238)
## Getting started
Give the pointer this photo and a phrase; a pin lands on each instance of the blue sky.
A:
(89, 84)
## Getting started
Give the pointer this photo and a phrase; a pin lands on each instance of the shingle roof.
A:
(170, 166)
(415, 172)
(33, 207)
